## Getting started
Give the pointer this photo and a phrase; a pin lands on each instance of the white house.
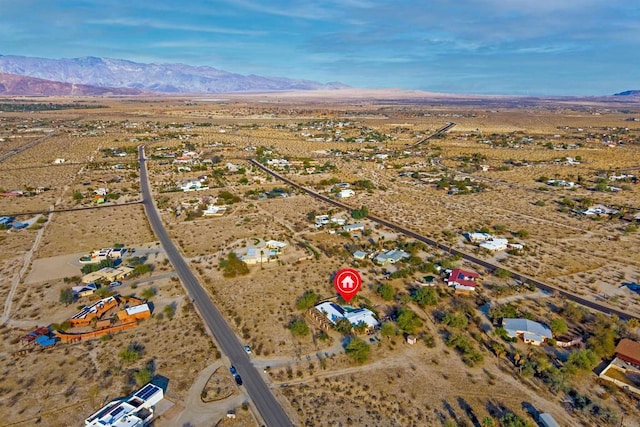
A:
(495, 244)
(477, 237)
(193, 185)
(101, 191)
(353, 227)
(529, 331)
(391, 257)
(137, 411)
(334, 312)
(359, 255)
(346, 193)
(213, 210)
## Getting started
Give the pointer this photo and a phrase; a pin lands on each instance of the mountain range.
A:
(628, 93)
(12, 84)
(163, 78)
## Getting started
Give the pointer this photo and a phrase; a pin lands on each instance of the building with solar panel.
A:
(136, 411)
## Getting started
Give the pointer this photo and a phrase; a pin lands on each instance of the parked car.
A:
(238, 379)
(233, 370)
(115, 284)
(247, 349)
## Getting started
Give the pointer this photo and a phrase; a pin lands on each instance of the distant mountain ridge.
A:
(628, 93)
(12, 84)
(166, 78)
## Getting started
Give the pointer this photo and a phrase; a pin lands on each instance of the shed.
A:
(411, 339)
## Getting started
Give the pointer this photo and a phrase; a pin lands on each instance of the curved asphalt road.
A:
(262, 397)
(568, 295)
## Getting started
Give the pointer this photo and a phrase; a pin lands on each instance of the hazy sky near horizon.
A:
(528, 47)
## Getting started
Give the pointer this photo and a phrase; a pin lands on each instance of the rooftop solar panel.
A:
(117, 411)
(146, 391)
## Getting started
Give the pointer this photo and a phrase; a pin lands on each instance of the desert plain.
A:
(557, 178)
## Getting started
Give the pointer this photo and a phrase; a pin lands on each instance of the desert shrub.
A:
(307, 300)
(456, 320)
(66, 296)
(143, 376)
(299, 327)
(148, 293)
(129, 354)
(233, 266)
(169, 311)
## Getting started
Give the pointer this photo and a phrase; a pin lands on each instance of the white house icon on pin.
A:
(347, 283)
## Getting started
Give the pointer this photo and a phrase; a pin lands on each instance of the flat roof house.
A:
(108, 274)
(136, 411)
(353, 227)
(527, 330)
(345, 193)
(495, 244)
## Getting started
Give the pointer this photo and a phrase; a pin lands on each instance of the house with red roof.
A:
(624, 369)
(462, 281)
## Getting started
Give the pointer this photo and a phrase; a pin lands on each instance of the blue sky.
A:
(527, 47)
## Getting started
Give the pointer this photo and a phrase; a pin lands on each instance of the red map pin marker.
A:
(347, 282)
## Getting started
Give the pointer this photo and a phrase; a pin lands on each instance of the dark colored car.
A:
(238, 379)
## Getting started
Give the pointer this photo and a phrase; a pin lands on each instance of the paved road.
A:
(82, 208)
(443, 129)
(26, 146)
(263, 398)
(478, 261)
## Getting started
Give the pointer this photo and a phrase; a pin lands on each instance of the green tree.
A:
(408, 321)
(386, 291)
(424, 296)
(358, 350)
(307, 300)
(360, 327)
(343, 326)
(581, 360)
(299, 327)
(456, 320)
(558, 326)
(604, 336)
(388, 329)
(66, 296)
(141, 269)
(360, 213)
(523, 234)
